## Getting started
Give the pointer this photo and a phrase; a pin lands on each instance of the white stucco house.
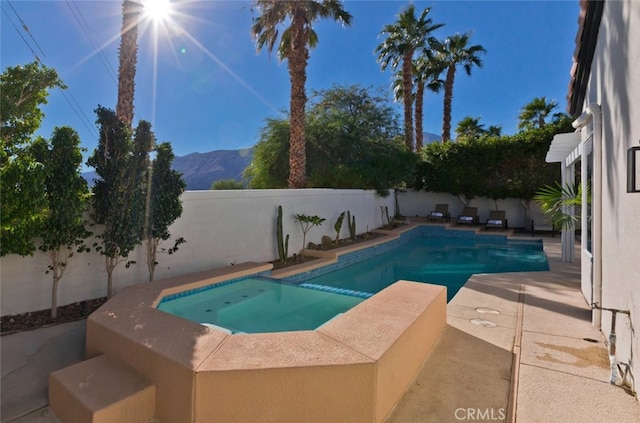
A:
(604, 100)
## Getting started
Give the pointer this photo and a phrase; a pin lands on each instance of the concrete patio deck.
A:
(534, 365)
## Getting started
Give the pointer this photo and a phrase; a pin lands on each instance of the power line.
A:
(20, 34)
(78, 111)
(85, 28)
(68, 96)
(26, 29)
(98, 49)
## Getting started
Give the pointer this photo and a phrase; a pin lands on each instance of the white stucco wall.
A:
(221, 227)
(615, 86)
(224, 227)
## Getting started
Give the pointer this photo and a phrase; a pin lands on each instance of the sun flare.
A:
(157, 10)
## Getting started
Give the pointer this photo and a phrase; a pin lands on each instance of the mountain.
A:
(428, 138)
(200, 170)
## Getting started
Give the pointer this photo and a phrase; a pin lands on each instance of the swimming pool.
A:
(256, 305)
(441, 260)
(305, 302)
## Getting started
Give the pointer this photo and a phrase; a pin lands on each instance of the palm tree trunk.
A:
(448, 96)
(128, 57)
(297, 64)
(419, 104)
(407, 90)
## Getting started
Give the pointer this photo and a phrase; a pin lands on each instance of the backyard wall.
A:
(220, 227)
(225, 227)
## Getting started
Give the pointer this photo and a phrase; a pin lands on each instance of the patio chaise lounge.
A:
(469, 216)
(440, 214)
(497, 220)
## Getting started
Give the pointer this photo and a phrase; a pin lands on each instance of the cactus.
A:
(352, 225)
(338, 226)
(283, 245)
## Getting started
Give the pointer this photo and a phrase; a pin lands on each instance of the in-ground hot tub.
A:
(259, 305)
(353, 368)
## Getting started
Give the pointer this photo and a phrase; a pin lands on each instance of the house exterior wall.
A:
(615, 85)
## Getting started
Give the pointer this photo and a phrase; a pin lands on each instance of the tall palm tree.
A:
(128, 57)
(426, 74)
(408, 34)
(535, 113)
(295, 43)
(454, 51)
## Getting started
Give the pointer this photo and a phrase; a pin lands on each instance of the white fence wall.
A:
(220, 227)
(225, 227)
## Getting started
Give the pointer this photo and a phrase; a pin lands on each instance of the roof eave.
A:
(586, 39)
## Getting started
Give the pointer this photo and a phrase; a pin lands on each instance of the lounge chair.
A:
(469, 216)
(497, 220)
(440, 214)
(544, 227)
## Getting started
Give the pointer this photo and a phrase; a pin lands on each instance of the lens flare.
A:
(157, 10)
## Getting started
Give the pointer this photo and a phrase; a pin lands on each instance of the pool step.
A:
(100, 391)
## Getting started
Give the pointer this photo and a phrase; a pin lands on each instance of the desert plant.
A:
(306, 223)
(338, 226)
(352, 225)
(384, 215)
(283, 243)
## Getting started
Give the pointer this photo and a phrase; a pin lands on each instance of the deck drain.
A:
(483, 322)
(590, 340)
(487, 310)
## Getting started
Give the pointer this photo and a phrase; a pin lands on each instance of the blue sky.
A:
(205, 88)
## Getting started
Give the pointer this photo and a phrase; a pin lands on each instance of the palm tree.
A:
(452, 52)
(294, 45)
(408, 34)
(535, 113)
(426, 74)
(469, 128)
(494, 130)
(560, 202)
(128, 57)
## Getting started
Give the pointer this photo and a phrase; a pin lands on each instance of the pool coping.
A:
(360, 362)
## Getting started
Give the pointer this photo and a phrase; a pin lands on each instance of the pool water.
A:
(442, 261)
(256, 305)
